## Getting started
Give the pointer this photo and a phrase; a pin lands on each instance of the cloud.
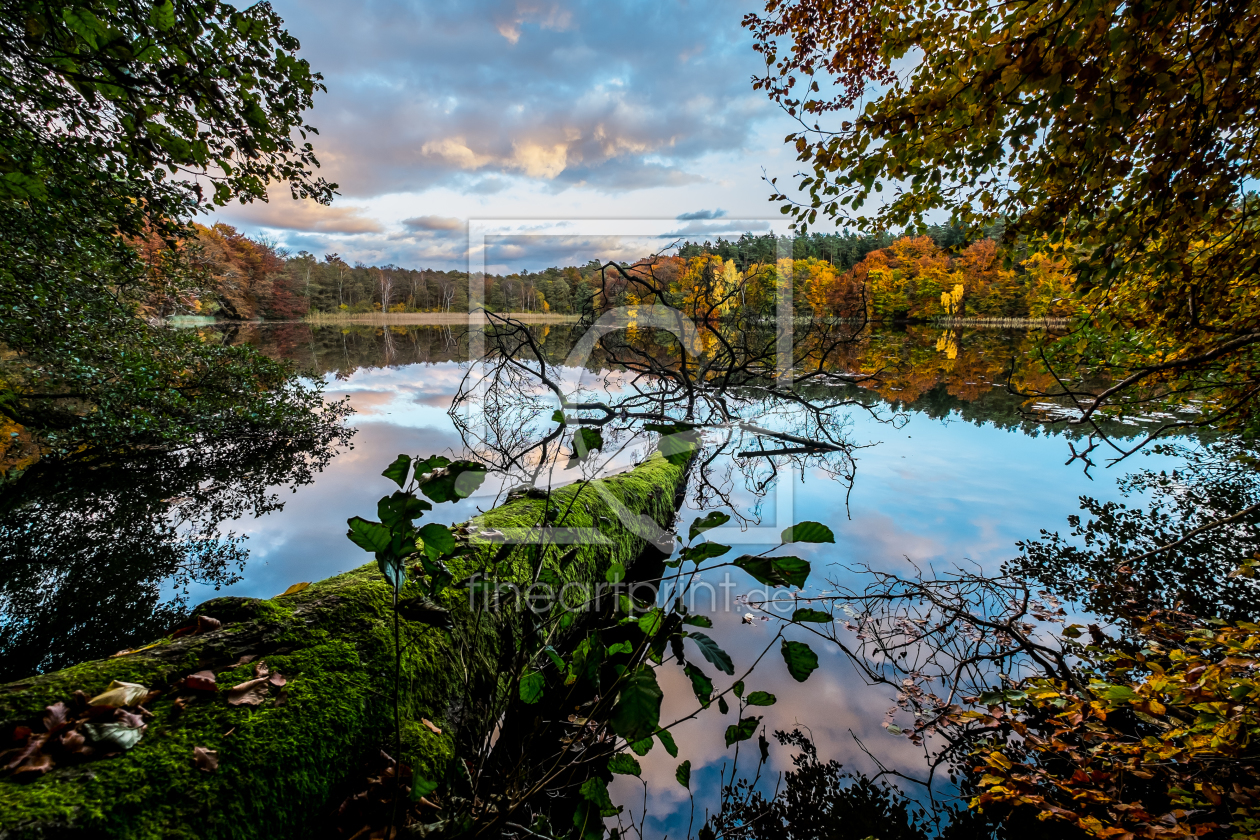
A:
(701, 215)
(305, 215)
(434, 223)
(612, 97)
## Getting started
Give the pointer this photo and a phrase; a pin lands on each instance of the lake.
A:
(940, 469)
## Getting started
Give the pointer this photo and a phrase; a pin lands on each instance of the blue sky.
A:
(438, 112)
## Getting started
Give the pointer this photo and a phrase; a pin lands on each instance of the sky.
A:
(516, 110)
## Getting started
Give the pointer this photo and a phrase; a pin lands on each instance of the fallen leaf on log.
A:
(122, 734)
(202, 624)
(120, 694)
(249, 693)
(246, 659)
(428, 724)
(204, 759)
(201, 681)
(277, 679)
(37, 766)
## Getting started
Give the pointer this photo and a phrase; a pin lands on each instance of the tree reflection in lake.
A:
(1167, 551)
(96, 554)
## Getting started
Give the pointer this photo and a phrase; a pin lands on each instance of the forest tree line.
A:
(936, 273)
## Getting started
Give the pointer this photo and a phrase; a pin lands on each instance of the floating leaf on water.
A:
(120, 694)
(204, 759)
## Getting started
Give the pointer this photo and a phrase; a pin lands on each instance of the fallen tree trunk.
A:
(264, 760)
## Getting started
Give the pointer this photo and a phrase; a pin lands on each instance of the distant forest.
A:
(239, 277)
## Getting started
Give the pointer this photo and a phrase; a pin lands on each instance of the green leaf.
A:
(713, 519)
(533, 685)
(742, 731)
(761, 698)
(643, 746)
(625, 764)
(438, 540)
(808, 614)
(699, 553)
(651, 622)
(397, 471)
(698, 621)
(420, 786)
(557, 416)
(585, 442)
(801, 660)
(162, 15)
(667, 741)
(722, 706)
(595, 791)
(616, 573)
(738, 688)
(678, 448)
(700, 684)
(808, 532)
(775, 571)
(458, 480)
(554, 657)
(683, 774)
(367, 535)
(401, 509)
(794, 570)
(391, 568)
(638, 709)
(713, 653)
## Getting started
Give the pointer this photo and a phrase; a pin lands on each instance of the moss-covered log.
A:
(279, 761)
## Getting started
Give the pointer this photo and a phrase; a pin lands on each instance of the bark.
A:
(281, 762)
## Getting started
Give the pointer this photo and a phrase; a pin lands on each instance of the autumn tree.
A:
(1126, 133)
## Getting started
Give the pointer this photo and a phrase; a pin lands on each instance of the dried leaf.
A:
(428, 724)
(246, 659)
(55, 716)
(37, 766)
(277, 679)
(74, 742)
(261, 669)
(249, 693)
(120, 694)
(204, 759)
(201, 681)
(119, 735)
(206, 624)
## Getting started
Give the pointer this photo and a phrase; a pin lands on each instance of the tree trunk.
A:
(280, 761)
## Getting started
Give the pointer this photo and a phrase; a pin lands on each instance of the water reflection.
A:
(969, 474)
(100, 553)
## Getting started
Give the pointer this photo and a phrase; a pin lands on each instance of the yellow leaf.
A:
(294, 589)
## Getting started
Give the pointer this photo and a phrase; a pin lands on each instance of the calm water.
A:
(950, 473)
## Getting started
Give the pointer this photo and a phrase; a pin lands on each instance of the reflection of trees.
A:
(98, 554)
(1158, 550)
(656, 373)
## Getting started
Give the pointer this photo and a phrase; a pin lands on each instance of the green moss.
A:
(333, 641)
